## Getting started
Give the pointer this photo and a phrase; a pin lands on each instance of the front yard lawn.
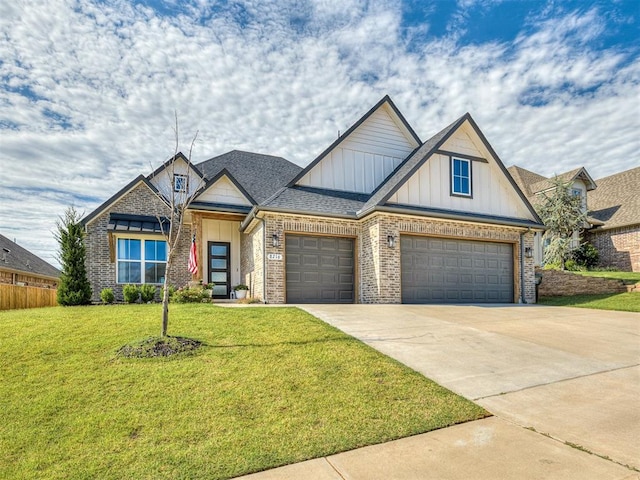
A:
(271, 386)
(627, 302)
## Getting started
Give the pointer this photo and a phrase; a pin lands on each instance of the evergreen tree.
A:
(562, 214)
(74, 288)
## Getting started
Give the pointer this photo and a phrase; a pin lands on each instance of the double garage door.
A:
(433, 270)
(440, 270)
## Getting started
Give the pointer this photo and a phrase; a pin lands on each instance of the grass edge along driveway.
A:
(272, 386)
(624, 302)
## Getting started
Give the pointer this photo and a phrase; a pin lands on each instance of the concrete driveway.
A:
(571, 377)
(563, 385)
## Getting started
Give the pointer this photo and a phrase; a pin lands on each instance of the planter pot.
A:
(240, 294)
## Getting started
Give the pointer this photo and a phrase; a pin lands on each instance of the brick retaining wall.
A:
(558, 283)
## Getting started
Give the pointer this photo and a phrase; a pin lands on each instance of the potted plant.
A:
(241, 291)
(207, 289)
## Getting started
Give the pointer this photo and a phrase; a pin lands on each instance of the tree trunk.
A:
(165, 298)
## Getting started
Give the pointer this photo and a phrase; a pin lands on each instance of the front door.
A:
(219, 262)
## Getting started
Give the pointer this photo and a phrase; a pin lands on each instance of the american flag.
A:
(193, 257)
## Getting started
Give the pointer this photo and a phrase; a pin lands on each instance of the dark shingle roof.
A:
(316, 201)
(21, 259)
(616, 201)
(260, 175)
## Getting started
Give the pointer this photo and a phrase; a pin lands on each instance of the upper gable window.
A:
(460, 177)
(180, 183)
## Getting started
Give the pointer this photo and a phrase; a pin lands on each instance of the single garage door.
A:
(441, 270)
(319, 269)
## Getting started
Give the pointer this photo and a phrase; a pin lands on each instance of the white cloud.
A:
(280, 78)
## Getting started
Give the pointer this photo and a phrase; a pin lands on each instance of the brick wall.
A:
(560, 283)
(29, 280)
(101, 270)
(378, 265)
(618, 247)
(283, 224)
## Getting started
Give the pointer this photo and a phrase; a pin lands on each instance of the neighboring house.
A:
(378, 217)
(537, 187)
(18, 266)
(616, 204)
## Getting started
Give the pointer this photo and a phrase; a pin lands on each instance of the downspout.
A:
(522, 297)
(264, 258)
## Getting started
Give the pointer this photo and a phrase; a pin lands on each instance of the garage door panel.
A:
(455, 271)
(326, 274)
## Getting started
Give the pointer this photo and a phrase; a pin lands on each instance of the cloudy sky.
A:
(88, 89)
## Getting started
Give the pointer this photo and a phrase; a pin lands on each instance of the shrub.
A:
(107, 295)
(586, 255)
(188, 295)
(241, 287)
(131, 293)
(574, 266)
(147, 292)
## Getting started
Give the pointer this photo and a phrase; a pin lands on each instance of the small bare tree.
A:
(178, 190)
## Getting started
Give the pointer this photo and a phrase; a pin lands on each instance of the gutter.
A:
(458, 217)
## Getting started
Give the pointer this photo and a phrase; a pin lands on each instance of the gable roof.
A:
(114, 198)
(616, 201)
(177, 156)
(259, 175)
(524, 178)
(422, 154)
(570, 176)
(386, 100)
(225, 173)
(22, 260)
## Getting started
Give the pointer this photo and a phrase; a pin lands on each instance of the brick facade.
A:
(100, 261)
(12, 278)
(618, 247)
(378, 274)
(560, 283)
(377, 266)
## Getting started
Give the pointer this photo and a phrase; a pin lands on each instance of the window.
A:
(141, 261)
(180, 183)
(460, 177)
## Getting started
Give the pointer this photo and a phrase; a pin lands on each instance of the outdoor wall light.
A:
(391, 240)
(528, 252)
(276, 240)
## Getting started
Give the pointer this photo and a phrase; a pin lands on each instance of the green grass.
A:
(627, 302)
(272, 386)
(627, 277)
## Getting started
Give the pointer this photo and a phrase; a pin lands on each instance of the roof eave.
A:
(473, 218)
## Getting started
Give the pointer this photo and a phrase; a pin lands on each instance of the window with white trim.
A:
(180, 183)
(460, 177)
(141, 260)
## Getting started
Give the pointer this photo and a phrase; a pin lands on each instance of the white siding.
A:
(493, 194)
(163, 181)
(223, 191)
(221, 231)
(366, 157)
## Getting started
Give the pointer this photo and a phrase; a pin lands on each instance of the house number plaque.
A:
(274, 256)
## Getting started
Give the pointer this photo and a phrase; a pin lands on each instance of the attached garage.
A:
(319, 269)
(443, 270)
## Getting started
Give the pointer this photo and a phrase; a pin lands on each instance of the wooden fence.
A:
(14, 297)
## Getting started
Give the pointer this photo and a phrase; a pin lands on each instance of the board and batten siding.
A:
(221, 231)
(365, 158)
(163, 181)
(493, 194)
(223, 191)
